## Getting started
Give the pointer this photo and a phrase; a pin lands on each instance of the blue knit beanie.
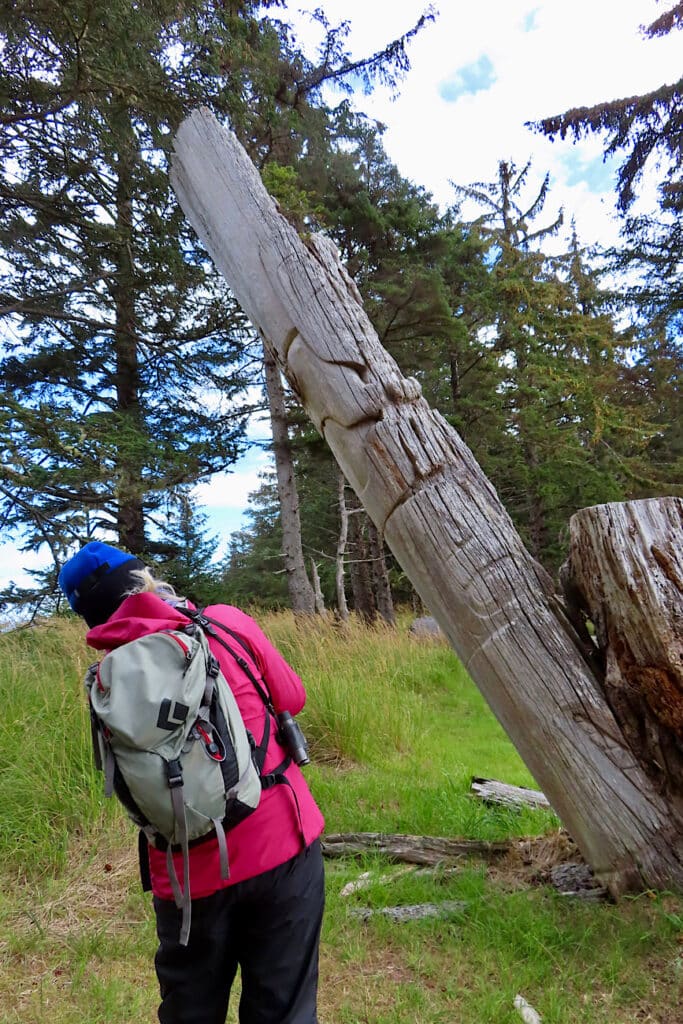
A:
(97, 579)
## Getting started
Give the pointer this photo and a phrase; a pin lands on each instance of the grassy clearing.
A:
(403, 729)
(397, 730)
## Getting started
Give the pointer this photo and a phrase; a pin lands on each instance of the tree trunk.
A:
(301, 594)
(454, 365)
(317, 590)
(359, 565)
(625, 572)
(342, 607)
(130, 513)
(438, 513)
(536, 517)
(380, 576)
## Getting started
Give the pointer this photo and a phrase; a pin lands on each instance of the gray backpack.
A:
(173, 746)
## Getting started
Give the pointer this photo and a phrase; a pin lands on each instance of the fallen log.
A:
(493, 792)
(430, 850)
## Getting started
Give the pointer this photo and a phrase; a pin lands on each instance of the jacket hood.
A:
(137, 615)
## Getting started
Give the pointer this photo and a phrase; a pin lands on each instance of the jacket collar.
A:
(137, 615)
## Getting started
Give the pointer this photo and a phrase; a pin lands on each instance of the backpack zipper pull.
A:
(213, 749)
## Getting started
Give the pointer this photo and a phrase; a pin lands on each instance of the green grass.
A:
(397, 730)
(49, 790)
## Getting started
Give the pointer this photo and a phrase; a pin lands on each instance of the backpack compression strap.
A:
(174, 776)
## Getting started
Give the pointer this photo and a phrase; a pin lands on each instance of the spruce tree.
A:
(122, 350)
(122, 347)
(644, 133)
(188, 556)
(558, 430)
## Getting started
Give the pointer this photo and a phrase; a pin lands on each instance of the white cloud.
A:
(546, 57)
(225, 496)
(231, 488)
(15, 565)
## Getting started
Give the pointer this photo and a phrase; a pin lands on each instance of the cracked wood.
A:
(439, 514)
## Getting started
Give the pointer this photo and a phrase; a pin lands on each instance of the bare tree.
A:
(342, 606)
(360, 563)
(301, 595)
(317, 590)
(380, 576)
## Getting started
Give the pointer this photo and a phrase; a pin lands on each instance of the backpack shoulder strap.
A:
(206, 624)
(236, 636)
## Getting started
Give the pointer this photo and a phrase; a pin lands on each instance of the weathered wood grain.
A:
(439, 514)
(494, 792)
(407, 849)
(626, 563)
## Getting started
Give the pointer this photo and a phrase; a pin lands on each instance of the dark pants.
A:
(269, 926)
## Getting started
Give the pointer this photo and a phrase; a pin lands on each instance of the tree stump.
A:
(625, 574)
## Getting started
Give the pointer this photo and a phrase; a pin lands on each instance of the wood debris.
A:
(526, 1012)
(411, 912)
(493, 792)
(366, 879)
(427, 850)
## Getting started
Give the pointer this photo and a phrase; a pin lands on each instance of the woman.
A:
(266, 916)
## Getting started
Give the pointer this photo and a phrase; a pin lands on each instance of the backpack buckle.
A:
(174, 774)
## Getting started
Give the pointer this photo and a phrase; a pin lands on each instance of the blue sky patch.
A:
(529, 21)
(468, 80)
(596, 173)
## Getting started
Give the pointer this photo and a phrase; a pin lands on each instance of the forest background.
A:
(130, 375)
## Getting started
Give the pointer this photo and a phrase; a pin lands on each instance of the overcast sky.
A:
(478, 74)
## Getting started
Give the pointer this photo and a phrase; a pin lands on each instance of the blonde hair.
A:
(149, 584)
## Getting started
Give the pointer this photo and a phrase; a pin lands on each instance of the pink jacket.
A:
(276, 831)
